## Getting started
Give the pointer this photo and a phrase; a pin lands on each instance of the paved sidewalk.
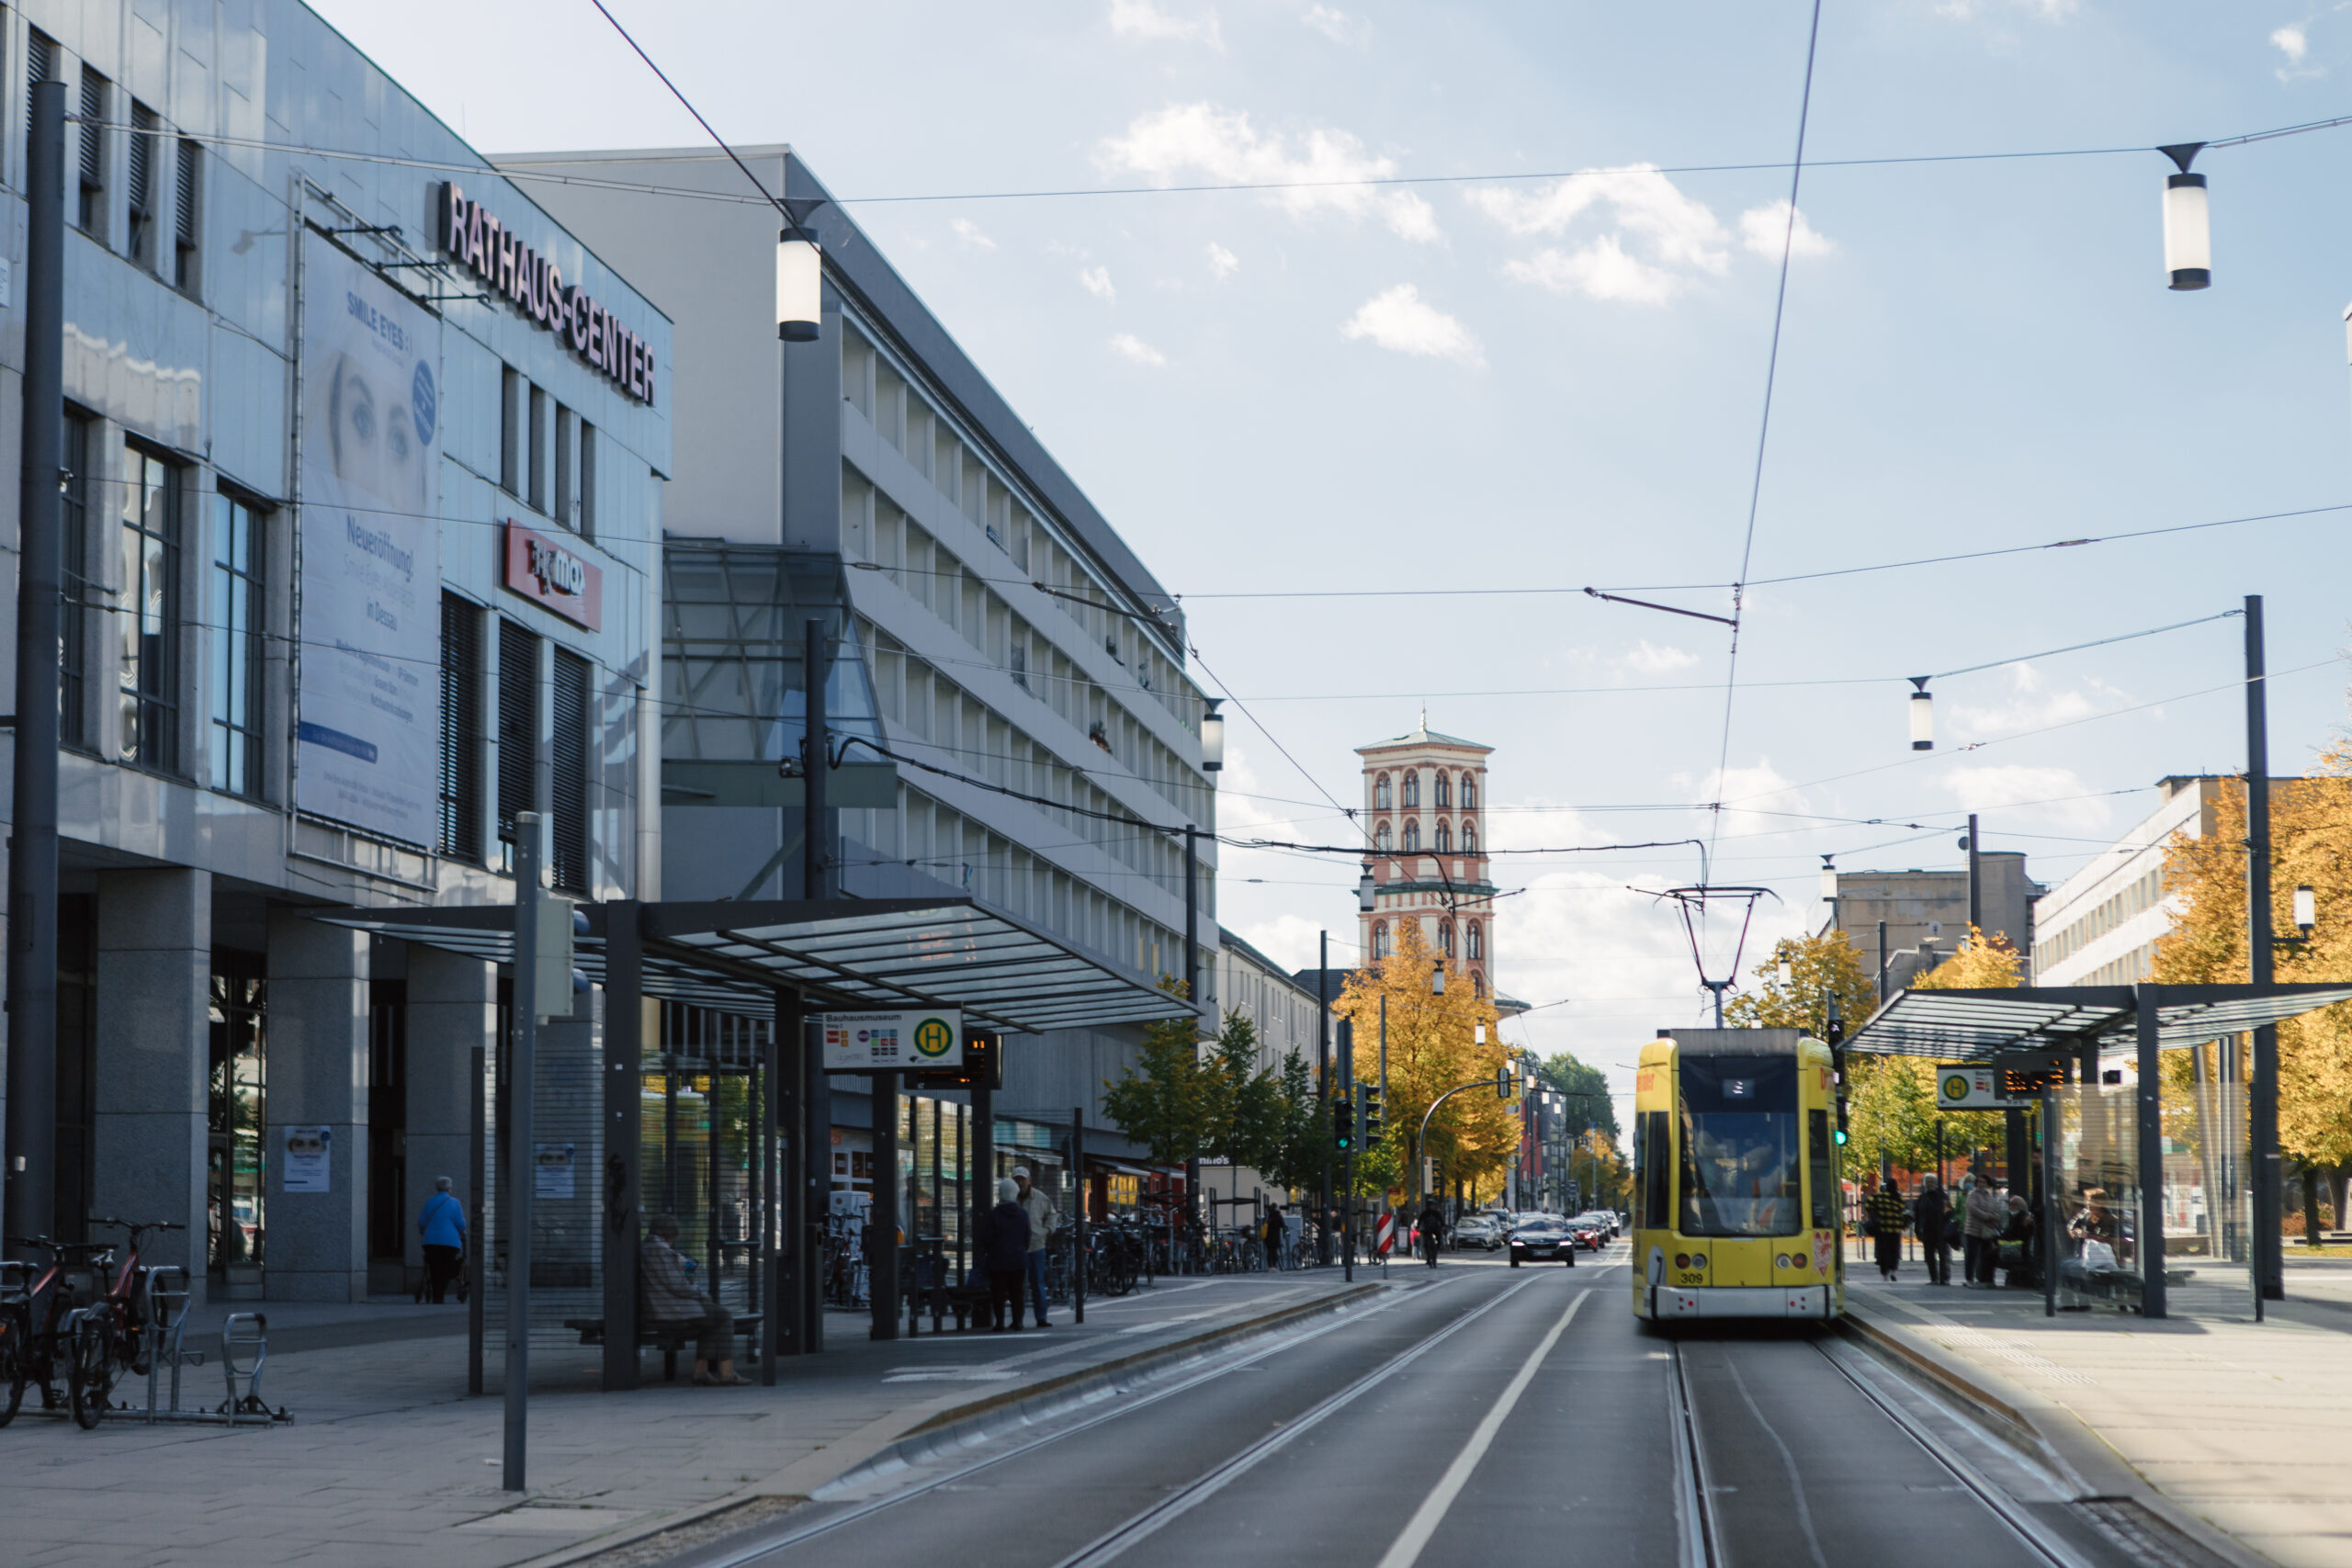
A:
(388, 1462)
(2237, 1424)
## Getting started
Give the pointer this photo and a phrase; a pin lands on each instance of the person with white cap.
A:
(1004, 1243)
(1040, 1209)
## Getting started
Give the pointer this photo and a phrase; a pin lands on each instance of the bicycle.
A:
(39, 1328)
(110, 1335)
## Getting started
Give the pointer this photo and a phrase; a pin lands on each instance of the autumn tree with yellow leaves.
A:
(1433, 1046)
(2311, 844)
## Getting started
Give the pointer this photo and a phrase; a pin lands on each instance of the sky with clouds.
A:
(1554, 378)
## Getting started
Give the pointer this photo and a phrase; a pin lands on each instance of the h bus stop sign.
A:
(1972, 1087)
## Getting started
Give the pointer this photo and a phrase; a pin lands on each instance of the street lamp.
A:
(1923, 715)
(2306, 909)
(1213, 740)
(1437, 978)
(1829, 879)
(799, 285)
(1366, 890)
(2188, 238)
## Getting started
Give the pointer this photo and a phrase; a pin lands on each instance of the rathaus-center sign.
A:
(497, 256)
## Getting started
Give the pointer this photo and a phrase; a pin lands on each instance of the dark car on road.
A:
(1545, 1239)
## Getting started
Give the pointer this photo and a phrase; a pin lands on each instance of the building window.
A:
(1469, 791)
(568, 748)
(1412, 790)
(461, 728)
(90, 212)
(587, 481)
(149, 678)
(1476, 944)
(188, 197)
(1478, 985)
(1380, 939)
(518, 729)
(238, 608)
(1412, 837)
(40, 65)
(1469, 838)
(539, 408)
(1443, 791)
(510, 431)
(1445, 938)
(1382, 840)
(140, 155)
(74, 583)
(1444, 844)
(567, 484)
(1380, 794)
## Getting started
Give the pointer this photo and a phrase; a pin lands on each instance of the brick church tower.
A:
(1423, 799)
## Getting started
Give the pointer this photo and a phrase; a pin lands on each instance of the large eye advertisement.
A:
(371, 691)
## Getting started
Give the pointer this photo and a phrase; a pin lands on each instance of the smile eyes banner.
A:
(369, 698)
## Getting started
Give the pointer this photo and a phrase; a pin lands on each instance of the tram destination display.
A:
(892, 1042)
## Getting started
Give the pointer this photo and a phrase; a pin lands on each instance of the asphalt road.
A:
(1480, 1415)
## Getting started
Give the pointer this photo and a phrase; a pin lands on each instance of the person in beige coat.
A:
(1982, 1216)
(1040, 1209)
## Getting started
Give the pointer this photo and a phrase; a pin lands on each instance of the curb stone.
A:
(2049, 1432)
(913, 1431)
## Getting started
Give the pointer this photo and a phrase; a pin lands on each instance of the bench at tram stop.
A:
(668, 1337)
(932, 1291)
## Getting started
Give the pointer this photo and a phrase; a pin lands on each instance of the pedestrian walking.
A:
(1005, 1253)
(1272, 1233)
(1983, 1217)
(1931, 1218)
(1042, 1220)
(1887, 1223)
(670, 1297)
(442, 1223)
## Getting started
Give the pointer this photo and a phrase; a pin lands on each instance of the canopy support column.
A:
(624, 1135)
(2151, 1157)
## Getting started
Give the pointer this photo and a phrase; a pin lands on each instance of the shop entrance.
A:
(237, 1106)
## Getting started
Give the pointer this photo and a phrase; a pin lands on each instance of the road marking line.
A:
(1406, 1551)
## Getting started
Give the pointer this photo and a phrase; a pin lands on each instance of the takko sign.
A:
(492, 252)
(545, 571)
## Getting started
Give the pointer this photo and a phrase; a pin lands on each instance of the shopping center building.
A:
(364, 459)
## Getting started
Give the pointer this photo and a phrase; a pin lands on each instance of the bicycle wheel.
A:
(89, 1371)
(15, 1360)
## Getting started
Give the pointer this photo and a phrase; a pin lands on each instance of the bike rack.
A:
(167, 1331)
(245, 1332)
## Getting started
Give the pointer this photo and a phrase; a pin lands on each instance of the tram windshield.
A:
(1741, 1146)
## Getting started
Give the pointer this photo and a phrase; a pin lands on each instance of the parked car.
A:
(1547, 1239)
(1479, 1231)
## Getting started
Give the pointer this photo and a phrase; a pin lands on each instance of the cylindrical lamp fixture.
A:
(1828, 881)
(1367, 890)
(2189, 235)
(1437, 979)
(1923, 715)
(1213, 737)
(2306, 908)
(800, 286)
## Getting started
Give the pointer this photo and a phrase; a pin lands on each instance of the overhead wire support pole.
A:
(1323, 1083)
(2268, 1195)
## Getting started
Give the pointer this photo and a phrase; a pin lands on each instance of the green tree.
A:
(1170, 1105)
(1793, 982)
(1246, 1116)
(1305, 1127)
(1890, 1101)
(1589, 1104)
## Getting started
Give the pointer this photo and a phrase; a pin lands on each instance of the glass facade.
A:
(148, 666)
(236, 633)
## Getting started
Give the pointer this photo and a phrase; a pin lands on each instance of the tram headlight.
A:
(1698, 1261)
(1780, 1260)
(1682, 1260)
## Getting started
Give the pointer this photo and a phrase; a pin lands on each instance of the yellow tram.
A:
(1735, 1194)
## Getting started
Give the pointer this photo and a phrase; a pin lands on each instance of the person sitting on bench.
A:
(671, 1298)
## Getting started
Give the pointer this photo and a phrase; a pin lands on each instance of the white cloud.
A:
(1129, 347)
(1097, 280)
(1600, 269)
(1761, 229)
(1223, 263)
(2030, 703)
(1333, 24)
(2056, 797)
(1673, 228)
(2293, 42)
(1290, 941)
(1648, 659)
(1400, 319)
(2052, 11)
(1187, 142)
(969, 232)
(1144, 20)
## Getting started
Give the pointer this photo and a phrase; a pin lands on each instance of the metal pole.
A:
(882, 1267)
(1976, 881)
(1348, 1178)
(2049, 1199)
(1078, 1224)
(1383, 1085)
(1193, 996)
(477, 1243)
(531, 843)
(816, 760)
(778, 1305)
(1881, 963)
(2151, 1157)
(809, 1200)
(2268, 1202)
(624, 1110)
(29, 1208)
(1323, 1089)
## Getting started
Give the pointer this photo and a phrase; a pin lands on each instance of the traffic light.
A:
(1343, 1126)
(1371, 1112)
(1502, 1081)
(1841, 1121)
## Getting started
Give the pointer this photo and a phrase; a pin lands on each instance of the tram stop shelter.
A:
(2170, 1166)
(704, 1004)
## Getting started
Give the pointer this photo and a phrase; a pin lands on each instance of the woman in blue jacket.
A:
(444, 1224)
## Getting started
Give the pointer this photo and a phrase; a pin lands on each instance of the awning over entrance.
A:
(844, 952)
(1971, 1025)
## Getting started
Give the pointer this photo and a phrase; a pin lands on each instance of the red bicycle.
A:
(64, 1325)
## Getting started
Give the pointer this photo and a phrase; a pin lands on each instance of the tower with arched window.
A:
(1424, 798)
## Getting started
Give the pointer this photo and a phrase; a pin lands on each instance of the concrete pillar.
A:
(452, 1008)
(318, 1077)
(155, 966)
